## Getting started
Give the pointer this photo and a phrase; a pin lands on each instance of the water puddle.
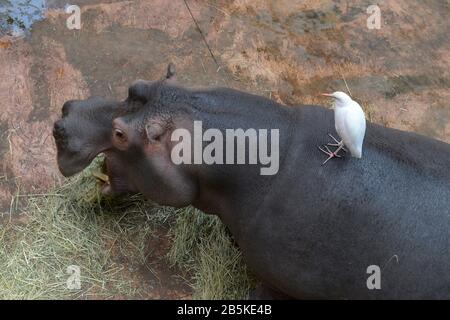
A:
(17, 16)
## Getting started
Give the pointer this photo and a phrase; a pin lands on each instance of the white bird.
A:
(350, 123)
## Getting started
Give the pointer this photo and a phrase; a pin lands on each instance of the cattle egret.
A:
(350, 123)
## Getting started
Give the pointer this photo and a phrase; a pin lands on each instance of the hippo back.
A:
(319, 228)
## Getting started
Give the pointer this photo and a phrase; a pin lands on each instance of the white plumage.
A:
(350, 123)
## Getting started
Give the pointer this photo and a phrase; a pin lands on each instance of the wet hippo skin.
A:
(309, 231)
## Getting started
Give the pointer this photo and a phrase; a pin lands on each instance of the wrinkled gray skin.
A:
(84, 131)
(310, 231)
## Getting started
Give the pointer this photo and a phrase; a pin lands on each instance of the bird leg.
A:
(329, 153)
(337, 144)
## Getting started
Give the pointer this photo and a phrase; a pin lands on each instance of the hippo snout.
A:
(67, 107)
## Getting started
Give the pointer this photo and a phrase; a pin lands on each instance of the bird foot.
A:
(329, 153)
(337, 144)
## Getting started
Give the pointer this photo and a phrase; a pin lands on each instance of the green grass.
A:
(202, 244)
(108, 239)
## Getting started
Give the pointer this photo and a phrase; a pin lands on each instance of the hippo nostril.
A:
(58, 131)
(58, 126)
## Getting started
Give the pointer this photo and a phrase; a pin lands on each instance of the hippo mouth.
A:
(70, 165)
(70, 162)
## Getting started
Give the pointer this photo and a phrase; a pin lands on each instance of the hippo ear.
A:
(171, 73)
(121, 134)
(155, 129)
(141, 90)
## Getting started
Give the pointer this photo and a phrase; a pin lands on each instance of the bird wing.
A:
(354, 129)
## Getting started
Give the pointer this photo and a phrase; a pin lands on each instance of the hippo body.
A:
(312, 231)
(317, 228)
(309, 231)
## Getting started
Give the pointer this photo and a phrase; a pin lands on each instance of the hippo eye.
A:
(119, 134)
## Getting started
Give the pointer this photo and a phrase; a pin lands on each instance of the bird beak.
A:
(327, 94)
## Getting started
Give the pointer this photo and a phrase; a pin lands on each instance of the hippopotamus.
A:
(306, 232)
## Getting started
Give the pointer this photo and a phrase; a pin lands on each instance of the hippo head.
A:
(83, 132)
(142, 142)
(135, 137)
(84, 129)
